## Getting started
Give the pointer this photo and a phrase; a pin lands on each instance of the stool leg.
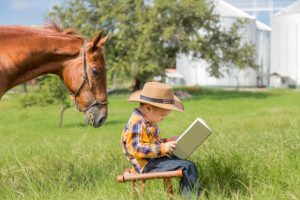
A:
(168, 187)
(133, 183)
(134, 187)
(143, 183)
(138, 188)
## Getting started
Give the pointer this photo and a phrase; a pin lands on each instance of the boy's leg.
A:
(190, 174)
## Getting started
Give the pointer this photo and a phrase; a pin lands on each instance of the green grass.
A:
(253, 153)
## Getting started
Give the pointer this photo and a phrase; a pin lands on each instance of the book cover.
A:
(191, 138)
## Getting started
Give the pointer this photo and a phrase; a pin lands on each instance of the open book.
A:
(192, 137)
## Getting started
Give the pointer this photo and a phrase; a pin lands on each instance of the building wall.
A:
(263, 57)
(285, 42)
(195, 71)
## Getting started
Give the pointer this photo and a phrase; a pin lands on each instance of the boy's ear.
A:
(148, 107)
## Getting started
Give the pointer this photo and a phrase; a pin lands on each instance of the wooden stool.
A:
(166, 176)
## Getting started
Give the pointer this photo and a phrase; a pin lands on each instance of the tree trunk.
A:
(137, 85)
(25, 87)
(61, 114)
(237, 83)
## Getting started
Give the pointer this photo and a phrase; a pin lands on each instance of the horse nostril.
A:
(102, 120)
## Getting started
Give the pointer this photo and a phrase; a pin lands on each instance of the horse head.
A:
(85, 78)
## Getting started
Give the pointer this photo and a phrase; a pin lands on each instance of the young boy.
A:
(141, 139)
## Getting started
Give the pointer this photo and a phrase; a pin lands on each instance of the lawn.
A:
(253, 153)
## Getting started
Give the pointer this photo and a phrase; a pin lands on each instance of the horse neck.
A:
(27, 55)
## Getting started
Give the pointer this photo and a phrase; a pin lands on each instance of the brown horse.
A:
(28, 52)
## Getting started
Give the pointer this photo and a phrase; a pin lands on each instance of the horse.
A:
(29, 52)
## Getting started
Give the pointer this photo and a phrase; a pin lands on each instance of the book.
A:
(191, 138)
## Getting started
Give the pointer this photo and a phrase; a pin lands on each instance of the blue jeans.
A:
(189, 181)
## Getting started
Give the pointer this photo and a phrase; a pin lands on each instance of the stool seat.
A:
(128, 175)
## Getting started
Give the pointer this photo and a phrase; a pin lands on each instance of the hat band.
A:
(154, 100)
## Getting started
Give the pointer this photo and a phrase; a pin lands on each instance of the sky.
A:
(33, 12)
(261, 8)
(25, 12)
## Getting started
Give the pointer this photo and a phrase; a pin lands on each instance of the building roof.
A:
(262, 26)
(172, 73)
(225, 9)
(291, 9)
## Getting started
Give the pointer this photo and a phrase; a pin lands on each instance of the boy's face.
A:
(155, 114)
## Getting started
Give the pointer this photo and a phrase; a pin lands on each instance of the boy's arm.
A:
(140, 149)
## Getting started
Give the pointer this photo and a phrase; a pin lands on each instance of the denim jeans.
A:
(189, 181)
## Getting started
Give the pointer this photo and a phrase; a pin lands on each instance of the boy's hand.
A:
(170, 147)
(174, 138)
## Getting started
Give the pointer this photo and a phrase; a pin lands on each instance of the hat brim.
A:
(177, 106)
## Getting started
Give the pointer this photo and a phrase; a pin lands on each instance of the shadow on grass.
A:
(217, 94)
(211, 93)
(225, 176)
(118, 91)
(113, 122)
(81, 124)
(74, 125)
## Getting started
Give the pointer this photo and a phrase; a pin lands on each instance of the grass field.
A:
(253, 153)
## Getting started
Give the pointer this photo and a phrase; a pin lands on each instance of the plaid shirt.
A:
(141, 141)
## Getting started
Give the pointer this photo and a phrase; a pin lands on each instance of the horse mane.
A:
(55, 27)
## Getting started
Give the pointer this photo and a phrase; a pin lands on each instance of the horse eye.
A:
(95, 72)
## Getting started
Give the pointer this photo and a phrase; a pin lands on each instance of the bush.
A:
(50, 91)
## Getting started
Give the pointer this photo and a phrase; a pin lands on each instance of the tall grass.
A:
(253, 153)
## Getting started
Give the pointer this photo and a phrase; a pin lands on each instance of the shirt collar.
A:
(140, 114)
(151, 128)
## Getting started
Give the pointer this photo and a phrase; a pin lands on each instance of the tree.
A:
(148, 35)
(51, 91)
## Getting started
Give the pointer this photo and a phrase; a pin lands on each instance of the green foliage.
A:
(50, 91)
(147, 36)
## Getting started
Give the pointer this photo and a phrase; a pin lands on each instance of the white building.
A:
(174, 78)
(285, 46)
(194, 72)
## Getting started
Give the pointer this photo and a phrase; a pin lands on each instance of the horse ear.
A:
(96, 39)
(103, 40)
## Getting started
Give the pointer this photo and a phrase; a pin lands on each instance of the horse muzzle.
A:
(96, 116)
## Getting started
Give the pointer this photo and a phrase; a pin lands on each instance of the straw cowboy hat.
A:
(159, 95)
